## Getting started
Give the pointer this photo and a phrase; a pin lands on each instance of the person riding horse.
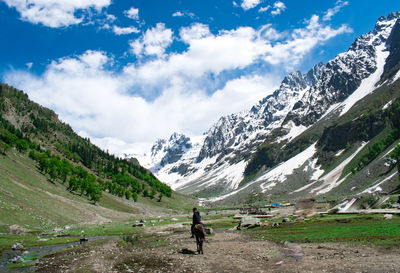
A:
(196, 220)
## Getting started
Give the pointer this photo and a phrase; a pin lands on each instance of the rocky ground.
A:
(226, 251)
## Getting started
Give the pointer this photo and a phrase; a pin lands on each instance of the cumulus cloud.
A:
(331, 12)
(125, 30)
(99, 103)
(249, 4)
(132, 13)
(278, 8)
(212, 53)
(153, 42)
(264, 9)
(179, 91)
(194, 32)
(301, 41)
(207, 53)
(56, 13)
(269, 33)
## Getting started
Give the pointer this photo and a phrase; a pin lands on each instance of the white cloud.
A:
(206, 53)
(302, 41)
(96, 101)
(110, 18)
(185, 92)
(331, 12)
(194, 32)
(183, 14)
(178, 14)
(132, 13)
(153, 42)
(212, 53)
(125, 30)
(269, 33)
(56, 13)
(249, 4)
(278, 8)
(264, 9)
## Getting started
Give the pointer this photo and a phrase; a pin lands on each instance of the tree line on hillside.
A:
(396, 156)
(63, 155)
(392, 116)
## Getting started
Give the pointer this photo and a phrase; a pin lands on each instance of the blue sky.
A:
(128, 72)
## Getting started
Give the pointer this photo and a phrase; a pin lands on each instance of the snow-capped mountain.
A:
(213, 165)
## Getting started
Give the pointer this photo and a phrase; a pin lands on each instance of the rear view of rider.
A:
(196, 220)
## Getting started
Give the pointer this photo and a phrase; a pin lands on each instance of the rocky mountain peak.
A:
(294, 80)
(158, 146)
(394, 15)
(179, 139)
(386, 23)
(315, 73)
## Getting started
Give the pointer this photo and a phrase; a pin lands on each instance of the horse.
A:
(199, 232)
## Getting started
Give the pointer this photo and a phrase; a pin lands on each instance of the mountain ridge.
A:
(301, 101)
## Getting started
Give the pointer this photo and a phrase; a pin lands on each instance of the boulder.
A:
(17, 246)
(209, 231)
(15, 229)
(58, 229)
(17, 259)
(248, 222)
(388, 216)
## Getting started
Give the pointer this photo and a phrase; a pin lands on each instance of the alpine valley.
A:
(328, 133)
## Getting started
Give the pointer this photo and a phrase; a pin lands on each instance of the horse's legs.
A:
(201, 246)
(198, 243)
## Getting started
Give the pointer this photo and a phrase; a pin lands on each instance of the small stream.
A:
(38, 251)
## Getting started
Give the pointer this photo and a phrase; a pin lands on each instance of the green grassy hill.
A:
(49, 176)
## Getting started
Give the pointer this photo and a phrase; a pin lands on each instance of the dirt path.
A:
(223, 252)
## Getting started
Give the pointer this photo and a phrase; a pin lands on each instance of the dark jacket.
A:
(196, 217)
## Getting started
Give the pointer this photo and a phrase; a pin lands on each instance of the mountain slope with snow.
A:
(257, 150)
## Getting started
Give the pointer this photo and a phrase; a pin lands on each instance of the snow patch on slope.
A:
(368, 84)
(231, 174)
(396, 77)
(376, 187)
(345, 206)
(330, 180)
(279, 173)
(387, 105)
(316, 174)
(339, 152)
(294, 131)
